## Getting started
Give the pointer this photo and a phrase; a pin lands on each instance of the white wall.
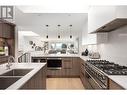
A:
(24, 46)
(115, 49)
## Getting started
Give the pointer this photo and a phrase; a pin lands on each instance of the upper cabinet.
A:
(6, 29)
(106, 18)
(0, 29)
(7, 35)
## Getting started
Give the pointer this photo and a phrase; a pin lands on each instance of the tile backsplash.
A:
(115, 49)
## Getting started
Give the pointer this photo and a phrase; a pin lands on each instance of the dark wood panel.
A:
(114, 86)
(7, 33)
(0, 29)
(70, 68)
(6, 29)
(3, 59)
(67, 63)
(76, 66)
(83, 75)
(38, 81)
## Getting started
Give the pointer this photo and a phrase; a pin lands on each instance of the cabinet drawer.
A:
(67, 65)
(3, 59)
(67, 59)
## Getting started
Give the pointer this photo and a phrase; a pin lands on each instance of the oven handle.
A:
(54, 58)
(55, 68)
(94, 80)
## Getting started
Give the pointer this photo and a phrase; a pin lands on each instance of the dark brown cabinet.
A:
(76, 66)
(3, 59)
(114, 86)
(38, 81)
(7, 30)
(67, 66)
(67, 63)
(70, 68)
(0, 29)
(83, 75)
(7, 34)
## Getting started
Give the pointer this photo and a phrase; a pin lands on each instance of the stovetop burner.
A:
(109, 68)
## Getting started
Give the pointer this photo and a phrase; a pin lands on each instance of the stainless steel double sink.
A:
(10, 77)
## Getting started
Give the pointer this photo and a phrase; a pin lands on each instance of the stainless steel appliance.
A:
(97, 71)
(94, 55)
(109, 68)
(54, 63)
(96, 78)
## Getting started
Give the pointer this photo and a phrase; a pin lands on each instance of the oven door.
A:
(94, 84)
(54, 63)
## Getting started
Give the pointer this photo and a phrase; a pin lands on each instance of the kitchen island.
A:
(59, 65)
(36, 70)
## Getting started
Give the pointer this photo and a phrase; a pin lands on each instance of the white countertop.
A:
(54, 55)
(34, 66)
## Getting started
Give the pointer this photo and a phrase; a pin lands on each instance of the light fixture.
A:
(58, 31)
(47, 31)
(70, 31)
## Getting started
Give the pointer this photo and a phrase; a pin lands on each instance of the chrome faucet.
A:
(11, 60)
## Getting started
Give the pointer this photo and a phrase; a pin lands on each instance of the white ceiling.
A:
(65, 7)
(36, 22)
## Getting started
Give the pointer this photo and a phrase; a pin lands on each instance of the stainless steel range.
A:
(97, 71)
(109, 68)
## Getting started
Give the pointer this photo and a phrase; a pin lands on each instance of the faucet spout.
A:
(11, 60)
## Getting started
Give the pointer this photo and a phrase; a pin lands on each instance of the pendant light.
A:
(58, 31)
(70, 31)
(47, 31)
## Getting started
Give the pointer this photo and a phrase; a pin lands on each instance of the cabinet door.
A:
(7, 30)
(67, 63)
(76, 66)
(0, 29)
(99, 16)
(4, 30)
(67, 67)
(38, 81)
(11, 31)
(114, 86)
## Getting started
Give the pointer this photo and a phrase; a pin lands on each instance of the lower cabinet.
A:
(38, 81)
(114, 86)
(70, 68)
(83, 75)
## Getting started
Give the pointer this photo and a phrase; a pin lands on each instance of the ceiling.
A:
(37, 22)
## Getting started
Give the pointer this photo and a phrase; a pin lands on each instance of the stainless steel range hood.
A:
(113, 25)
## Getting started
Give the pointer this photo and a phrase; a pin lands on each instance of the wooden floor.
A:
(64, 84)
